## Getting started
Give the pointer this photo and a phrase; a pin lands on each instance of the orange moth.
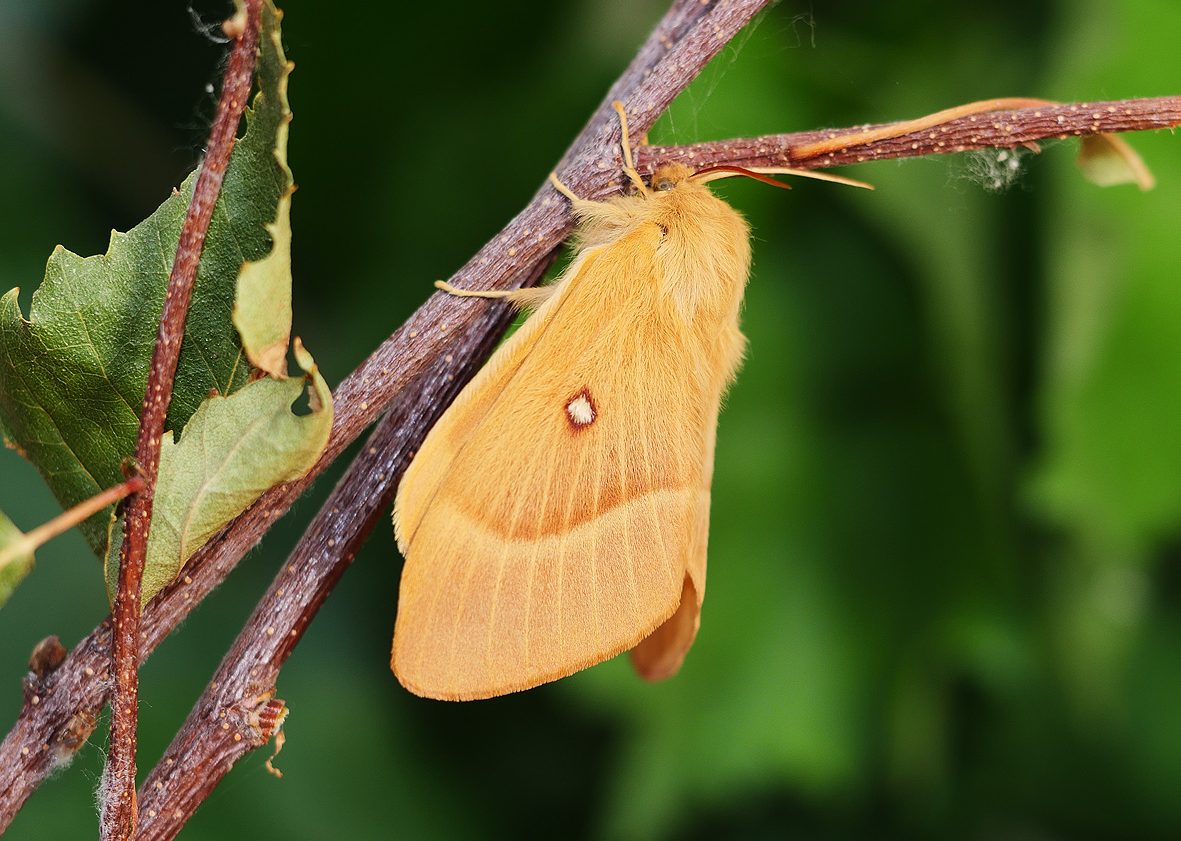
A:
(557, 513)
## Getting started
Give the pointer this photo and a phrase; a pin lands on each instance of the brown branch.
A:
(1007, 128)
(117, 796)
(440, 340)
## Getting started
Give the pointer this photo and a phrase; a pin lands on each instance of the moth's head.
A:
(668, 176)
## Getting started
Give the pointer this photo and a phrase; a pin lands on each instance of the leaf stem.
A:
(117, 795)
(65, 521)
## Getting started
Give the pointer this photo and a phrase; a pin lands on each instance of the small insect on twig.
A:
(557, 513)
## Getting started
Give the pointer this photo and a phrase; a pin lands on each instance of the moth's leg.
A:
(583, 206)
(495, 294)
(585, 210)
(527, 298)
(579, 204)
(531, 297)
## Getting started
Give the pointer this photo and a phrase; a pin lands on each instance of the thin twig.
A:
(117, 797)
(1005, 128)
(63, 522)
(410, 365)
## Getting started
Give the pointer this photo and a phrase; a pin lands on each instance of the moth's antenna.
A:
(759, 173)
(717, 173)
(629, 168)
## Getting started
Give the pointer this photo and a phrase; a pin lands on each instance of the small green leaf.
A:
(72, 376)
(15, 561)
(232, 450)
(262, 307)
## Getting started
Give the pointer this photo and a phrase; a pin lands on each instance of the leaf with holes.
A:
(262, 306)
(73, 375)
(231, 451)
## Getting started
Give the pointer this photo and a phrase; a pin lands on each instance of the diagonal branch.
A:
(443, 340)
(117, 797)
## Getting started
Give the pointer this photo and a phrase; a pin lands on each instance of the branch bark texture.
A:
(417, 371)
(117, 797)
(1002, 129)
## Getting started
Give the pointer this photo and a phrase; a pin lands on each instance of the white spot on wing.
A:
(580, 410)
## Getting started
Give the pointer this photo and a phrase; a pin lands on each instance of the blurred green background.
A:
(944, 564)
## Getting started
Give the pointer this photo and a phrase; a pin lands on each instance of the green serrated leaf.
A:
(232, 450)
(15, 563)
(72, 376)
(262, 307)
